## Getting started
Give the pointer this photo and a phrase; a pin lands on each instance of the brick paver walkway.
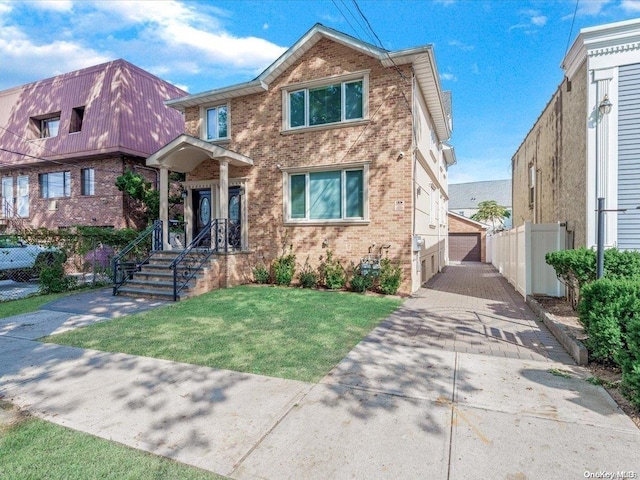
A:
(471, 308)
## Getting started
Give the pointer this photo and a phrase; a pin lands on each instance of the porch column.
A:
(164, 206)
(224, 188)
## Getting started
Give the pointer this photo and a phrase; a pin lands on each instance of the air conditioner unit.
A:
(53, 205)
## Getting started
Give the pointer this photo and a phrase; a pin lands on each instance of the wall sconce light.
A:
(605, 105)
(419, 191)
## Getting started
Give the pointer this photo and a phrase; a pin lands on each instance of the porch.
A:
(200, 254)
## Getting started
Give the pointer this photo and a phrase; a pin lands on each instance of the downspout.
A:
(414, 161)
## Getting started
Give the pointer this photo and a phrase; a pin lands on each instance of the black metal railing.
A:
(131, 258)
(219, 235)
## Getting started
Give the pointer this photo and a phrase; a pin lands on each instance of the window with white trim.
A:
(532, 185)
(326, 102)
(326, 195)
(216, 123)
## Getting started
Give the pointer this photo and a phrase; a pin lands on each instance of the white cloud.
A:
(474, 69)
(55, 5)
(539, 20)
(631, 6)
(177, 25)
(531, 22)
(591, 7)
(461, 45)
(448, 76)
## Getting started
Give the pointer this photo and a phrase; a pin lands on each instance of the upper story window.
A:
(328, 101)
(49, 127)
(54, 185)
(216, 124)
(77, 116)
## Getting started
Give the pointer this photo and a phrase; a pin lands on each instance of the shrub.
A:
(307, 276)
(361, 283)
(576, 268)
(630, 360)
(606, 307)
(261, 273)
(332, 272)
(390, 277)
(283, 269)
(53, 278)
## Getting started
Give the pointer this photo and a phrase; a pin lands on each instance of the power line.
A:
(575, 11)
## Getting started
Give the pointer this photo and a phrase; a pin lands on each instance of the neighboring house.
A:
(576, 153)
(64, 140)
(337, 145)
(465, 197)
(467, 239)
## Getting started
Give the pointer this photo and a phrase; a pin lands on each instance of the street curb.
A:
(573, 346)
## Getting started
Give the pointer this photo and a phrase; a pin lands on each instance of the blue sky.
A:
(499, 58)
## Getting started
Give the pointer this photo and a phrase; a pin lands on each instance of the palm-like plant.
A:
(489, 210)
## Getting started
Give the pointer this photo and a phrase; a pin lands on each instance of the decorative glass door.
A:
(235, 219)
(202, 220)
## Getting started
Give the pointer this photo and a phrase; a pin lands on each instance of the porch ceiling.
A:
(185, 153)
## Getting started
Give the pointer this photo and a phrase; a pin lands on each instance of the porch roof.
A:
(185, 153)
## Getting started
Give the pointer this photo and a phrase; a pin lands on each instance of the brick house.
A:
(64, 140)
(577, 151)
(337, 145)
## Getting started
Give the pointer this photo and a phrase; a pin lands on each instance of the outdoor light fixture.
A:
(605, 105)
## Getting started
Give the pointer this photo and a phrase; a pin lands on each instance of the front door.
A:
(202, 209)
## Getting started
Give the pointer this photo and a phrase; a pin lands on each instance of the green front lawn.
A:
(281, 332)
(33, 449)
(9, 308)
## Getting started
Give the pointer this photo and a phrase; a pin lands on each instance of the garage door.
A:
(464, 247)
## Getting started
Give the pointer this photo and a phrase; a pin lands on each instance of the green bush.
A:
(261, 273)
(332, 273)
(390, 277)
(284, 268)
(606, 307)
(630, 360)
(53, 278)
(307, 276)
(361, 283)
(578, 267)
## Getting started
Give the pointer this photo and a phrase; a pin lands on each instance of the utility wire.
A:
(575, 11)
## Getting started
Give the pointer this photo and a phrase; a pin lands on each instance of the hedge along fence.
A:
(87, 249)
(610, 312)
(576, 268)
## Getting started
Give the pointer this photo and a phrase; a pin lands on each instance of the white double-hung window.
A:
(216, 123)
(327, 194)
(324, 102)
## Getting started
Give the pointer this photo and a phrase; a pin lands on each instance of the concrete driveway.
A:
(461, 382)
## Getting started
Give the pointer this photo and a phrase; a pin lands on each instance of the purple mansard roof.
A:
(123, 112)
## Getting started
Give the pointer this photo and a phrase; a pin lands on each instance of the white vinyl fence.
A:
(518, 254)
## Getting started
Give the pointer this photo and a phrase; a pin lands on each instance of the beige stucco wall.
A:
(255, 131)
(556, 147)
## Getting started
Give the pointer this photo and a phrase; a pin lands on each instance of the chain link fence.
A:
(41, 260)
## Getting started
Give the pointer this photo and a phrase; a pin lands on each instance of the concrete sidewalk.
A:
(461, 382)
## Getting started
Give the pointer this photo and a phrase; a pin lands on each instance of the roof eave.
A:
(217, 95)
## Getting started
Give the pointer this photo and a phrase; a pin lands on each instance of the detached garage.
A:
(466, 239)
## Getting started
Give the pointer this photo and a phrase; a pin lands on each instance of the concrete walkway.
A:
(461, 382)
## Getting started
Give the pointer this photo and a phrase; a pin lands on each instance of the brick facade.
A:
(556, 148)
(256, 131)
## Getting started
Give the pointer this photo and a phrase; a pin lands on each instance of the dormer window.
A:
(216, 123)
(49, 127)
(337, 100)
(77, 116)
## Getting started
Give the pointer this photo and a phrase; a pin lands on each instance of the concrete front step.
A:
(153, 293)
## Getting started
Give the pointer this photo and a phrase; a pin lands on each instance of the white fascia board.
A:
(426, 72)
(602, 40)
(217, 95)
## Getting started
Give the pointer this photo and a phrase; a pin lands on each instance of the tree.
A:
(489, 210)
(138, 188)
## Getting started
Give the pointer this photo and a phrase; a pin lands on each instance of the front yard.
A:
(282, 332)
